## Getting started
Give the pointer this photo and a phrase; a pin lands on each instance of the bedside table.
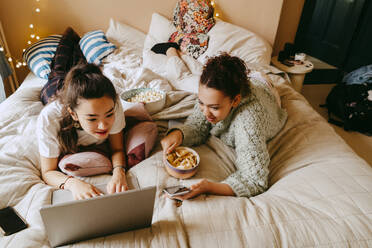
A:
(296, 73)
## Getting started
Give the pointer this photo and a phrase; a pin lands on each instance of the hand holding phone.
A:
(10, 221)
(176, 191)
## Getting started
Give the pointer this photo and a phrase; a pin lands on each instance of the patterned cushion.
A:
(95, 46)
(193, 19)
(39, 56)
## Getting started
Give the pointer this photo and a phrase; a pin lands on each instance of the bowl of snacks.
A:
(182, 163)
(153, 99)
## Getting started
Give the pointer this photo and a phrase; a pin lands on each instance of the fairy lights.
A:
(33, 37)
(216, 14)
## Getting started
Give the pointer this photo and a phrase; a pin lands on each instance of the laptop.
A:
(67, 220)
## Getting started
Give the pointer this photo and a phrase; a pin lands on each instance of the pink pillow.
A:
(85, 164)
(139, 140)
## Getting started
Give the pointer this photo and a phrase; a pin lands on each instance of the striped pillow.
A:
(39, 56)
(95, 46)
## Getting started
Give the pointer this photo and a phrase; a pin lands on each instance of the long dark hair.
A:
(82, 81)
(226, 73)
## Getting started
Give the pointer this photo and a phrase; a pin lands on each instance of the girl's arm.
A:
(196, 128)
(79, 189)
(49, 172)
(252, 157)
(118, 182)
(209, 187)
(194, 131)
(252, 162)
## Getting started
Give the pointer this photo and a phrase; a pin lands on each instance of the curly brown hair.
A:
(226, 73)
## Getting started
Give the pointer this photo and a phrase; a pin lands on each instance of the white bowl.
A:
(181, 173)
(151, 106)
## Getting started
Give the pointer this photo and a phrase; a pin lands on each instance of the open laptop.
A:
(67, 220)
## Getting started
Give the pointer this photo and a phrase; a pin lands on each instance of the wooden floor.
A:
(361, 144)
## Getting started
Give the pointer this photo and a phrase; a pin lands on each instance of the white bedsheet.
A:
(320, 191)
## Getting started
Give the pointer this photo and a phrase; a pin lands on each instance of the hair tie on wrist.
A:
(119, 166)
(62, 185)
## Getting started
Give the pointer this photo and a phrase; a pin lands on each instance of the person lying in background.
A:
(192, 19)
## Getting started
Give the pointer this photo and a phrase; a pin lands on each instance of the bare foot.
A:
(172, 52)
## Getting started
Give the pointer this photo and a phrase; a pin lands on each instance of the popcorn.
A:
(146, 96)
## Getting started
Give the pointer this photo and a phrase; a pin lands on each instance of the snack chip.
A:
(182, 159)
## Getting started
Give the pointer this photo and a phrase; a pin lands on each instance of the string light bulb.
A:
(19, 62)
(216, 14)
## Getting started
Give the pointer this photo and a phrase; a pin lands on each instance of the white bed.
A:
(320, 191)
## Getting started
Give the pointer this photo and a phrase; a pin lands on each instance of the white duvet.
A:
(320, 191)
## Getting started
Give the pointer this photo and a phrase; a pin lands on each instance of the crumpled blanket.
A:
(193, 19)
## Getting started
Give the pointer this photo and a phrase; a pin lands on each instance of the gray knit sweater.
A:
(247, 128)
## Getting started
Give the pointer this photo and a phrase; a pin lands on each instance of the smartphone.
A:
(176, 190)
(10, 221)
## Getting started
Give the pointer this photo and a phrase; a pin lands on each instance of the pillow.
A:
(39, 56)
(159, 31)
(95, 46)
(140, 133)
(119, 33)
(139, 141)
(83, 164)
(237, 41)
(161, 28)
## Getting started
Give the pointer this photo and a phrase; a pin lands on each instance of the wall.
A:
(261, 17)
(288, 24)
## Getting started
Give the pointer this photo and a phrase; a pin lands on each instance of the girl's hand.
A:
(118, 182)
(205, 186)
(196, 189)
(81, 190)
(171, 141)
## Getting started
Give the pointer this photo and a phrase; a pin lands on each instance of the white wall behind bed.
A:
(261, 17)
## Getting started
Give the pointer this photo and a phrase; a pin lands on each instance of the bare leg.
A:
(179, 74)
